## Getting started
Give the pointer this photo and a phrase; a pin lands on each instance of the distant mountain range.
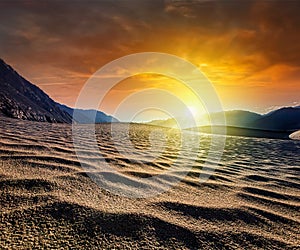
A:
(283, 119)
(287, 118)
(276, 124)
(23, 100)
(84, 116)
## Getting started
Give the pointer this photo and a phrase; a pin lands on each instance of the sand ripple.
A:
(252, 201)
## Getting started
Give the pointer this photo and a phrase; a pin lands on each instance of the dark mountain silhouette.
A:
(21, 99)
(275, 124)
(236, 118)
(88, 116)
(172, 123)
(283, 119)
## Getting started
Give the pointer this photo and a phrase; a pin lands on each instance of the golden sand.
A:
(252, 201)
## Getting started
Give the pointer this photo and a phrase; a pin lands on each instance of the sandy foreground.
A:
(252, 201)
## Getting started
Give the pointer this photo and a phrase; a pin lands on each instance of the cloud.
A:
(241, 42)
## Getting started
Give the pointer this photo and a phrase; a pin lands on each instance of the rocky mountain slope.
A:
(22, 100)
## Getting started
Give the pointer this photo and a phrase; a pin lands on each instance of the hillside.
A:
(283, 119)
(88, 116)
(22, 100)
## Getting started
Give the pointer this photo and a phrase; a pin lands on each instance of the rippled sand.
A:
(252, 201)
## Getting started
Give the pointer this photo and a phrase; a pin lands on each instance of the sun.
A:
(193, 110)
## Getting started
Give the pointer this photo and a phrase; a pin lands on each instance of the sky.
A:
(248, 50)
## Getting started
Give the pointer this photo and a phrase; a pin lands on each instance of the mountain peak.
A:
(21, 99)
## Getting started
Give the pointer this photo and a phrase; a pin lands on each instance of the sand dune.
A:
(252, 201)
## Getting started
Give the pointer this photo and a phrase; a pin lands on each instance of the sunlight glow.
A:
(193, 110)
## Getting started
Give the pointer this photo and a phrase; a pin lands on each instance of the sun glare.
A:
(193, 110)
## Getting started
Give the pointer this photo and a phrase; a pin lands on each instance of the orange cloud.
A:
(248, 49)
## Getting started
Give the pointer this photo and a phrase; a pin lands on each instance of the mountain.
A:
(283, 119)
(238, 118)
(88, 116)
(21, 99)
(172, 123)
(275, 124)
(235, 118)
